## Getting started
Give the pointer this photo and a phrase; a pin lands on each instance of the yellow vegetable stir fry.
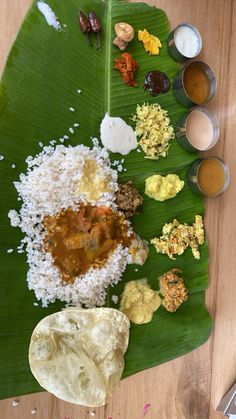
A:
(176, 238)
(154, 130)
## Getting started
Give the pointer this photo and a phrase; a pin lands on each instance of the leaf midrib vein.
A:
(108, 55)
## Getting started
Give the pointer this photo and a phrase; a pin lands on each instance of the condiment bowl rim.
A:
(199, 38)
(213, 80)
(226, 171)
(215, 123)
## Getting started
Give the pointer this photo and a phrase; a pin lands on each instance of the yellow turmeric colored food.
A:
(139, 301)
(177, 237)
(163, 187)
(151, 43)
(94, 181)
(153, 129)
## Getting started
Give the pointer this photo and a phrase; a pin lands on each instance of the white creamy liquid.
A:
(117, 136)
(187, 41)
(199, 130)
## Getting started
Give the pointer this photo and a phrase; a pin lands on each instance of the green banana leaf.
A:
(43, 73)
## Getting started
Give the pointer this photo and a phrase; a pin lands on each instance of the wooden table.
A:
(191, 386)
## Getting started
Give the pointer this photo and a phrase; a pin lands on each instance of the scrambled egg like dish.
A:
(154, 130)
(177, 237)
(139, 301)
(173, 289)
(163, 187)
(151, 43)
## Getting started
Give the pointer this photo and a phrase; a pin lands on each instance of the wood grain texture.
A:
(191, 386)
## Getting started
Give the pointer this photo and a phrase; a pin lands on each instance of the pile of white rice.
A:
(50, 185)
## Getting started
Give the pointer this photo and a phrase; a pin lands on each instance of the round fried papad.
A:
(77, 354)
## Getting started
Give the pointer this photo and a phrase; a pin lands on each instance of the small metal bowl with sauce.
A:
(194, 84)
(204, 133)
(209, 176)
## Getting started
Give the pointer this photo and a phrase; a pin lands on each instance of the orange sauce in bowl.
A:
(211, 176)
(196, 83)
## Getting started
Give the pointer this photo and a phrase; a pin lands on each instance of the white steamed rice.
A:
(49, 186)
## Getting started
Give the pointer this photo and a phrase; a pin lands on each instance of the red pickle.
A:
(127, 67)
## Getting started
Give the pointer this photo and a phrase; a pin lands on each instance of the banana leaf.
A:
(43, 73)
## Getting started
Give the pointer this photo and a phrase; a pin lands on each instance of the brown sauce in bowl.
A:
(211, 177)
(196, 83)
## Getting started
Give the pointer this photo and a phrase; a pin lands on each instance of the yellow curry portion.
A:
(94, 181)
(139, 301)
(161, 188)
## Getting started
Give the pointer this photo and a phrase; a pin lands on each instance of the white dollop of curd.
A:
(117, 136)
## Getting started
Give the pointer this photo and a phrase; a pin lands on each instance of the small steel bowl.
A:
(181, 134)
(193, 176)
(179, 89)
(174, 51)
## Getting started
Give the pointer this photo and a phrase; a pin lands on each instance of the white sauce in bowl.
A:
(188, 41)
(199, 130)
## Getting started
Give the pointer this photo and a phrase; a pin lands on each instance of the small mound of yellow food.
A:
(154, 130)
(151, 43)
(94, 181)
(161, 188)
(139, 301)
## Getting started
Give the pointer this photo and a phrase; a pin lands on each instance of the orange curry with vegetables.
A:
(79, 240)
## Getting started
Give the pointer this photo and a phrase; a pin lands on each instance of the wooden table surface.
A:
(189, 387)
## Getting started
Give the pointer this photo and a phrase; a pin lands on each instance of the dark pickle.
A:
(96, 27)
(90, 24)
(156, 82)
(85, 26)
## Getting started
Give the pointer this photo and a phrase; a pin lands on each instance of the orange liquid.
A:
(196, 84)
(79, 240)
(211, 177)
